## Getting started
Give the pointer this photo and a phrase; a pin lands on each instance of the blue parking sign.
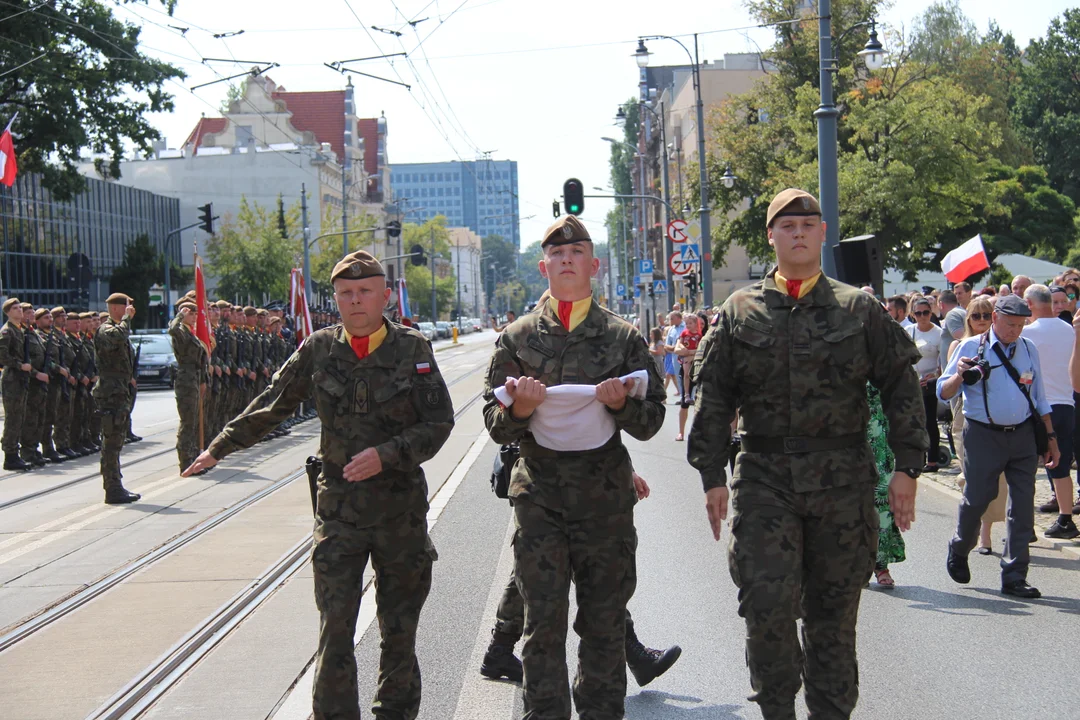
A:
(620, 290)
(645, 267)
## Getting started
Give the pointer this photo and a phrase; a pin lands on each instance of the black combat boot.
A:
(54, 457)
(33, 459)
(132, 437)
(647, 664)
(120, 496)
(14, 462)
(499, 660)
(68, 453)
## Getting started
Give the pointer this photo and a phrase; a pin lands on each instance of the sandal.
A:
(679, 437)
(983, 550)
(884, 579)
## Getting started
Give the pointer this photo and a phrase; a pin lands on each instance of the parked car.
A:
(443, 329)
(428, 329)
(157, 364)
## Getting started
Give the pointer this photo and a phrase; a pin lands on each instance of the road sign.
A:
(646, 279)
(637, 280)
(620, 290)
(637, 292)
(685, 258)
(676, 264)
(691, 253)
(676, 231)
(660, 287)
(645, 267)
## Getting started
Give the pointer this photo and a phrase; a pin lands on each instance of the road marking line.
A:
(297, 704)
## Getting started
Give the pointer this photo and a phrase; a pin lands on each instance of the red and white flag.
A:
(202, 322)
(965, 261)
(7, 156)
(298, 306)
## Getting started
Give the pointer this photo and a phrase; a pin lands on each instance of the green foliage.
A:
(529, 271)
(81, 82)
(432, 233)
(499, 251)
(136, 274)
(249, 256)
(1047, 101)
(943, 35)
(327, 251)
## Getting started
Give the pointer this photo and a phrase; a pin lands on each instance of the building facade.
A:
(466, 253)
(481, 195)
(64, 253)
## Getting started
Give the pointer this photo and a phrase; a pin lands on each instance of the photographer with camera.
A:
(1008, 430)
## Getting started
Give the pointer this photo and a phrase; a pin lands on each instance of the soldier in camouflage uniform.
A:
(573, 511)
(36, 395)
(64, 406)
(113, 392)
(214, 387)
(16, 380)
(385, 410)
(792, 354)
(81, 370)
(190, 384)
(91, 322)
(226, 340)
(53, 342)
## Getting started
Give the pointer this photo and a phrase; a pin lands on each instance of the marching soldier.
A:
(573, 510)
(36, 394)
(385, 410)
(51, 339)
(113, 393)
(792, 354)
(15, 381)
(65, 405)
(191, 381)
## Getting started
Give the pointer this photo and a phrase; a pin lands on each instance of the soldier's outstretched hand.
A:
(203, 462)
(365, 465)
(902, 499)
(641, 487)
(716, 505)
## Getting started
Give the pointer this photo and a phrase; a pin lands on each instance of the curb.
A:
(1069, 548)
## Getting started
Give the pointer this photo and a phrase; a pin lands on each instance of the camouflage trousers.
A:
(802, 555)
(52, 401)
(62, 424)
(94, 423)
(598, 554)
(114, 429)
(14, 409)
(80, 416)
(402, 555)
(33, 418)
(187, 432)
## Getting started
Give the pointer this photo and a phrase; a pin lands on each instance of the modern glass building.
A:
(63, 253)
(481, 195)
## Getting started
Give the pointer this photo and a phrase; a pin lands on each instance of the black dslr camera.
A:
(977, 373)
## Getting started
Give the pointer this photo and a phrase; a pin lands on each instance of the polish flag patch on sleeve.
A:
(423, 368)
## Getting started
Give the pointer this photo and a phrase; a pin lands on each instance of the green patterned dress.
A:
(890, 542)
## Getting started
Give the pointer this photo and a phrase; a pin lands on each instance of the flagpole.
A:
(11, 122)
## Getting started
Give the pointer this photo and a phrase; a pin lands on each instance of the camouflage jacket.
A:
(65, 355)
(80, 366)
(576, 484)
(36, 347)
(798, 369)
(189, 351)
(11, 352)
(91, 355)
(394, 400)
(116, 364)
(54, 352)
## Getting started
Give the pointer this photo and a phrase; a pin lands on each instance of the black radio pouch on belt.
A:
(314, 469)
(504, 465)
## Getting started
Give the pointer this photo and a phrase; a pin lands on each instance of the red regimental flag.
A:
(7, 159)
(202, 324)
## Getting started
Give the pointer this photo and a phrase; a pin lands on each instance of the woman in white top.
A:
(927, 337)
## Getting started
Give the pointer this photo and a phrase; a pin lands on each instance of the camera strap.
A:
(983, 340)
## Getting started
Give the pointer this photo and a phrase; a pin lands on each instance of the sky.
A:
(538, 83)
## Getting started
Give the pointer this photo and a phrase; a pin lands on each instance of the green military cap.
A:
(357, 266)
(117, 299)
(39, 312)
(792, 202)
(10, 303)
(567, 229)
(223, 304)
(58, 311)
(248, 310)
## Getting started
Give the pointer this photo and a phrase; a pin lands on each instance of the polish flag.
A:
(403, 299)
(298, 306)
(202, 322)
(7, 157)
(965, 261)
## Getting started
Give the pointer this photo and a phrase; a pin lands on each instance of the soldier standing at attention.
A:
(190, 384)
(216, 386)
(226, 340)
(15, 382)
(573, 509)
(792, 354)
(91, 322)
(66, 358)
(112, 393)
(385, 410)
(82, 386)
(50, 338)
(36, 394)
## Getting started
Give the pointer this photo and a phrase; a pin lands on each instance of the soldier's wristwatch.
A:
(911, 472)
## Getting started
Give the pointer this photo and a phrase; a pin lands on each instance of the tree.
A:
(249, 256)
(943, 35)
(81, 82)
(499, 251)
(418, 277)
(136, 274)
(1048, 102)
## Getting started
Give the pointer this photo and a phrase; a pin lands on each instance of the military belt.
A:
(530, 448)
(793, 445)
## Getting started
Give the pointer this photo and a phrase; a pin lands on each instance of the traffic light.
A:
(574, 196)
(393, 228)
(691, 283)
(418, 257)
(206, 218)
(555, 208)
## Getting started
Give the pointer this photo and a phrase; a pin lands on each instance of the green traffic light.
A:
(575, 208)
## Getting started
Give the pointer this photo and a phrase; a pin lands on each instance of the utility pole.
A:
(345, 204)
(434, 315)
(307, 243)
(826, 114)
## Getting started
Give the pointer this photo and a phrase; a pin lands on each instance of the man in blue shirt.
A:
(998, 437)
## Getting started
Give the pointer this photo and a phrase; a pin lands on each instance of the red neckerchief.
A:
(565, 309)
(360, 346)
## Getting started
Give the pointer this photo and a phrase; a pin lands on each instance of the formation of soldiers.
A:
(50, 367)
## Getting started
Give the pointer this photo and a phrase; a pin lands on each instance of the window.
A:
(441, 191)
(440, 177)
(457, 177)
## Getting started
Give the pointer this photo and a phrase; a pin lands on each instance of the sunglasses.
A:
(920, 313)
(982, 316)
(1071, 296)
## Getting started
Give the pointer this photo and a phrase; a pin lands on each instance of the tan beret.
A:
(792, 202)
(103, 316)
(357, 266)
(567, 229)
(223, 304)
(88, 315)
(10, 303)
(39, 312)
(57, 311)
(248, 310)
(275, 320)
(117, 299)
(26, 306)
(262, 311)
(189, 305)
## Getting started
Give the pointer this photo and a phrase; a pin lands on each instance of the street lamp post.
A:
(642, 58)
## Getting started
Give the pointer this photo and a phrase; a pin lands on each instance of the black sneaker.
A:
(1050, 506)
(958, 568)
(1060, 531)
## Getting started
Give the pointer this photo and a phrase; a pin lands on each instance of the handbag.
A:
(504, 465)
(1042, 438)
